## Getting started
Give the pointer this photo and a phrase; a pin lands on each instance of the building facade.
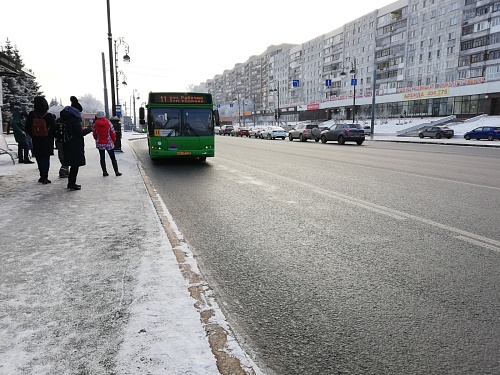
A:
(410, 58)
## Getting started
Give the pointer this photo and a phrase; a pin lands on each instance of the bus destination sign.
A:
(180, 98)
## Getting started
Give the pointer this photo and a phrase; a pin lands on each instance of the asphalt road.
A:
(375, 259)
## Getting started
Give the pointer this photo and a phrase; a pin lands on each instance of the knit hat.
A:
(75, 104)
(100, 114)
(24, 114)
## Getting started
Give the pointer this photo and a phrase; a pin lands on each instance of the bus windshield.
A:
(176, 122)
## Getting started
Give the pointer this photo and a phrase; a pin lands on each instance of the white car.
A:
(273, 132)
(255, 131)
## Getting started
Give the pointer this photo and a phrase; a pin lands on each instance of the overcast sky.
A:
(171, 45)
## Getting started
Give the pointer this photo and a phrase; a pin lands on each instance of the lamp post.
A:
(254, 109)
(138, 97)
(277, 115)
(126, 58)
(374, 91)
(351, 62)
(239, 109)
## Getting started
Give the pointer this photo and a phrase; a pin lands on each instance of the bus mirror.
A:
(217, 118)
(142, 122)
(141, 115)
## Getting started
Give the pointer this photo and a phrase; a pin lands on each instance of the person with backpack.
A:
(40, 127)
(105, 138)
(60, 139)
(18, 124)
(74, 147)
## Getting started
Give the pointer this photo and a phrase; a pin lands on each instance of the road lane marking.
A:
(390, 212)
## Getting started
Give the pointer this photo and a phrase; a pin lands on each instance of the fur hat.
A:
(100, 114)
(75, 104)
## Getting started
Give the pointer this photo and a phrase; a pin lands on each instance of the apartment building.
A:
(419, 57)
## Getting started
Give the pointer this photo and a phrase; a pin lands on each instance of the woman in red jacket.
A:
(105, 138)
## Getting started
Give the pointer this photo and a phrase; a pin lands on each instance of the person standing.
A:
(42, 138)
(18, 124)
(74, 149)
(64, 170)
(105, 138)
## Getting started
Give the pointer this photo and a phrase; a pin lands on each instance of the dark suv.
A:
(436, 132)
(226, 130)
(343, 133)
(303, 132)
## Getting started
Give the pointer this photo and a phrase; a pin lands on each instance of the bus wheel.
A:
(203, 158)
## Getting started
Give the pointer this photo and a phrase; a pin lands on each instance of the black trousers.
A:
(73, 172)
(22, 151)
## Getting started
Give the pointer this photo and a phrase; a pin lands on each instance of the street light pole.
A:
(126, 59)
(111, 72)
(277, 115)
(374, 89)
(239, 111)
(351, 61)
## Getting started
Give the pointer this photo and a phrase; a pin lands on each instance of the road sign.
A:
(218, 105)
(296, 83)
(231, 105)
(118, 109)
(328, 82)
(354, 81)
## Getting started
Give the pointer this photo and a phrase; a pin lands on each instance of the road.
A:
(373, 259)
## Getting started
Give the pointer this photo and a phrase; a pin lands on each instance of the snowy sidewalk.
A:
(89, 283)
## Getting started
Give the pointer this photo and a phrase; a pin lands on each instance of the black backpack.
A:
(61, 133)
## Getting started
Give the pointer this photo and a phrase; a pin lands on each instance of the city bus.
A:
(180, 125)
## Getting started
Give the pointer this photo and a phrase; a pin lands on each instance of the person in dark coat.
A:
(43, 147)
(74, 149)
(18, 125)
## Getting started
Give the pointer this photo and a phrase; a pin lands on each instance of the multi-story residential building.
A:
(419, 57)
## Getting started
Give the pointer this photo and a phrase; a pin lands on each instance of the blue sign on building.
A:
(218, 105)
(328, 82)
(296, 83)
(231, 105)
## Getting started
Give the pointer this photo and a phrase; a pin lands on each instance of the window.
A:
(468, 30)
(464, 61)
(493, 55)
(476, 72)
(453, 21)
(493, 72)
(450, 50)
(452, 35)
(438, 53)
(477, 57)
(482, 10)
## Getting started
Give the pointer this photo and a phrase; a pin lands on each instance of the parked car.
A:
(216, 129)
(242, 132)
(226, 130)
(436, 132)
(255, 131)
(484, 132)
(303, 132)
(343, 133)
(367, 129)
(273, 132)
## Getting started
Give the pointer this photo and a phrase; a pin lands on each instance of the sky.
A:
(171, 46)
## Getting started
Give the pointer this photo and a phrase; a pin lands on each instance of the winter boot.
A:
(115, 167)
(103, 167)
